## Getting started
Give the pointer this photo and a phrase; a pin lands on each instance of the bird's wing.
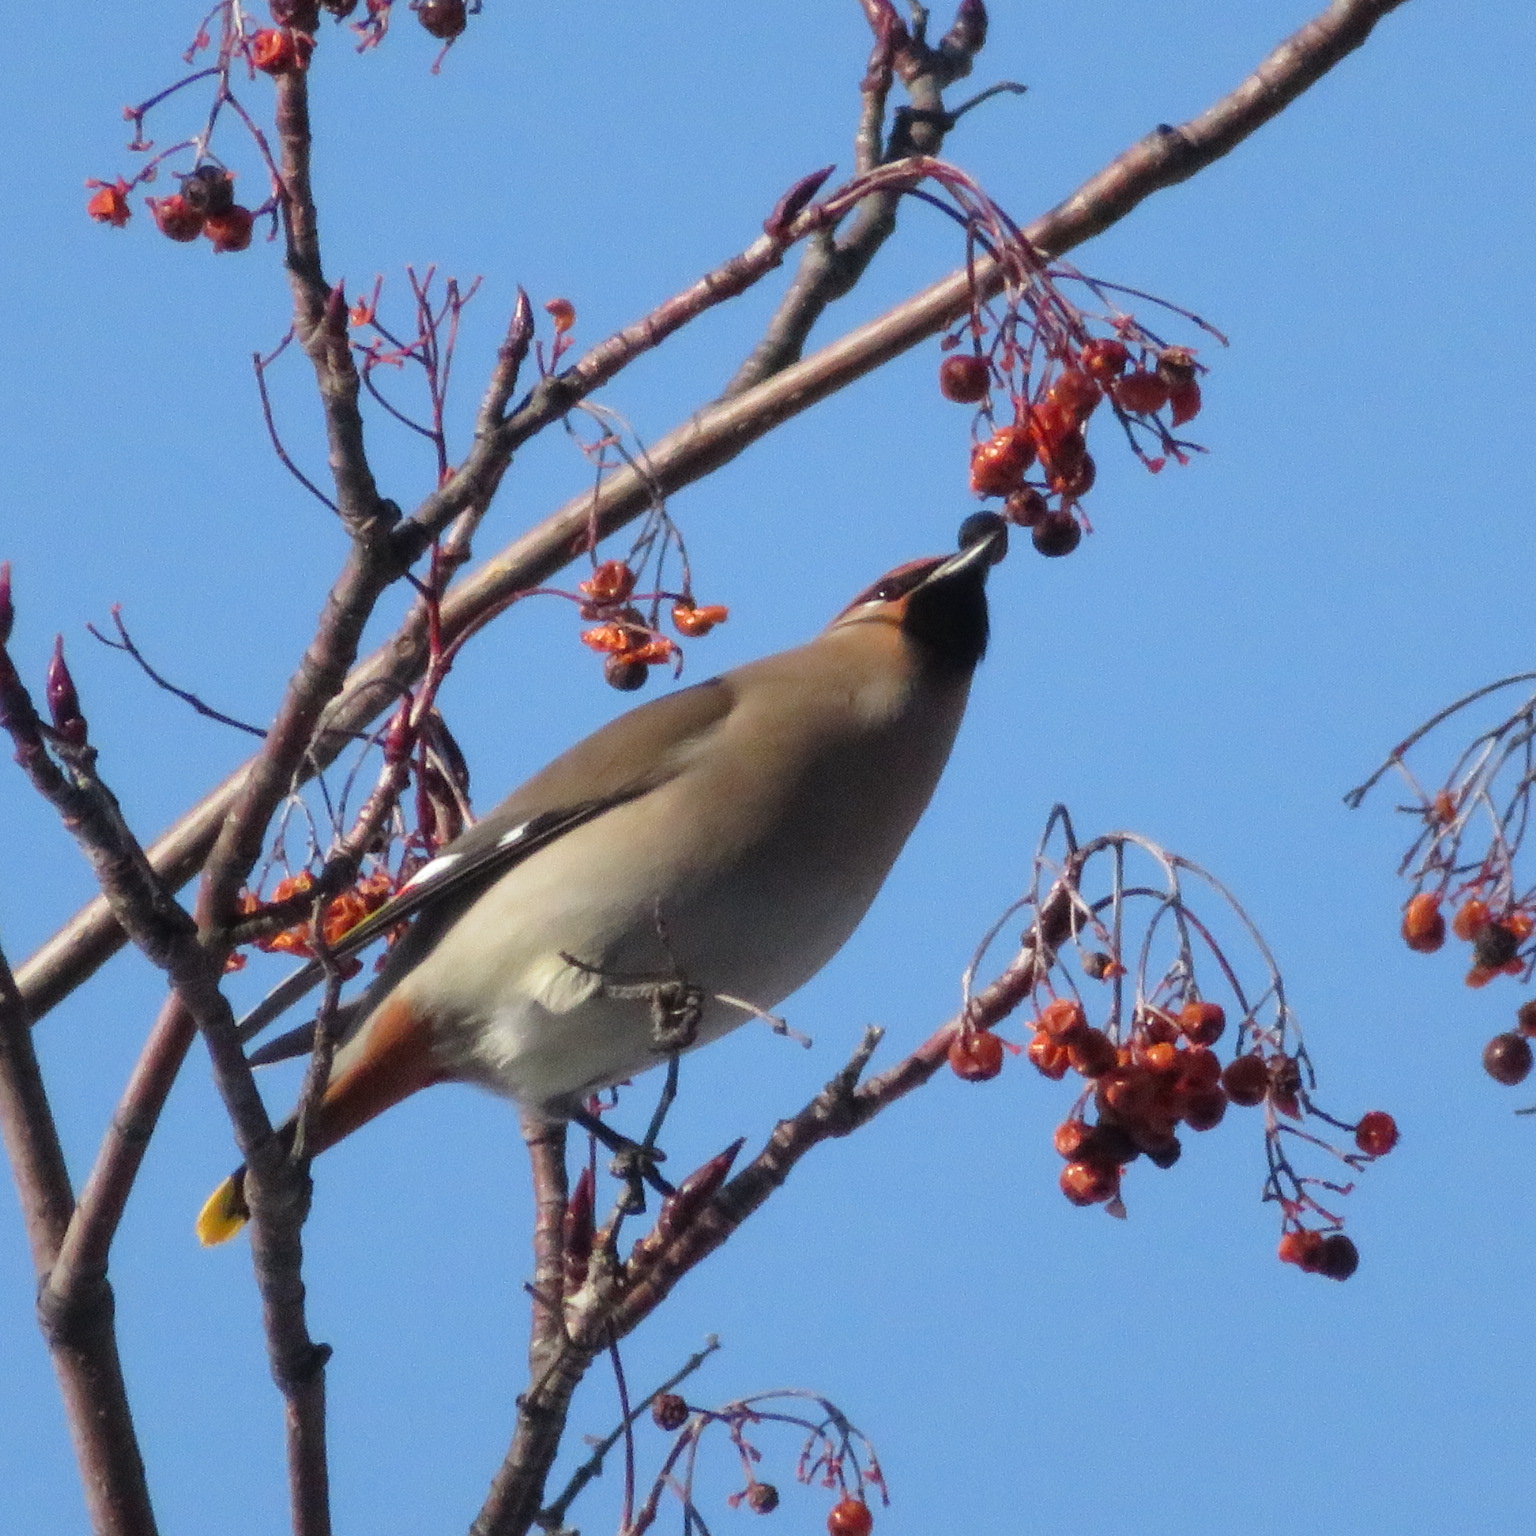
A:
(627, 758)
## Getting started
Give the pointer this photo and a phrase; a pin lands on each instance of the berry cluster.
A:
(834, 1454)
(1049, 433)
(1152, 1067)
(342, 914)
(625, 637)
(1497, 933)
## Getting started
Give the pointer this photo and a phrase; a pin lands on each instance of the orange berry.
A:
(1202, 1023)
(1470, 920)
(1049, 1056)
(850, 1517)
(1507, 1059)
(110, 203)
(1090, 1182)
(1424, 923)
(976, 1055)
(1376, 1134)
(608, 638)
(964, 378)
(1301, 1247)
(1064, 1018)
(1160, 1057)
(611, 582)
(1072, 1136)
(277, 51)
(694, 622)
(998, 465)
(1141, 393)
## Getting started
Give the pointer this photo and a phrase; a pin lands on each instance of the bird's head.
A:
(939, 603)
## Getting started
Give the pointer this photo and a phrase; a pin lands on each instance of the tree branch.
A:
(721, 431)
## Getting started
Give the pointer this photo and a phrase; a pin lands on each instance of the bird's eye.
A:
(895, 584)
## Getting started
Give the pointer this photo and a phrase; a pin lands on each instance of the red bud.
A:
(63, 701)
(579, 1230)
(794, 202)
(7, 612)
(680, 1208)
(399, 738)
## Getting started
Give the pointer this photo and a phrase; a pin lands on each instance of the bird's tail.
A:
(225, 1211)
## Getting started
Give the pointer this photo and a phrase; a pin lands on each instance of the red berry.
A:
(1507, 1059)
(1246, 1081)
(1202, 1023)
(1204, 1111)
(1105, 360)
(1093, 1053)
(1141, 393)
(1025, 508)
(1076, 394)
(1527, 1017)
(850, 1517)
(622, 671)
(1077, 482)
(177, 218)
(976, 1055)
(1090, 1182)
(1376, 1134)
(964, 378)
(1185, 400)
(444, 19)
(230, 230)
(1199, 1070)
(1424, 923)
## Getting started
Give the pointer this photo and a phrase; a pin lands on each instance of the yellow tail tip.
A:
(224, 1214)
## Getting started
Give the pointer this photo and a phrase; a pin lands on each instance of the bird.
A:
(690, 864)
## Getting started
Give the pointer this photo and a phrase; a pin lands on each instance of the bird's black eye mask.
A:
(897, 583)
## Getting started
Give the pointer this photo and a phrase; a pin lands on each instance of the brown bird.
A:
(691, 863)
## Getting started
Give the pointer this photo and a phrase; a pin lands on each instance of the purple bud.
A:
(63, 701)
(7, 612)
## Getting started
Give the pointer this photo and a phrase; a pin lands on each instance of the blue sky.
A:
(1236, 646)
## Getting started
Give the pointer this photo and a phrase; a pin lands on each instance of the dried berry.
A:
(1105, 359)
(624, 672)
(669, 1411)
(981, 526)
(1026, 507)
(762, 1498)
(109, 204)
(998, 465)
(1507, 1059)
(1527, 1017)
(964, 378)
(1056, 534)
(277, 51)
(1184, 399)
(693, 622)
(209, 189)
(1338, 1257)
